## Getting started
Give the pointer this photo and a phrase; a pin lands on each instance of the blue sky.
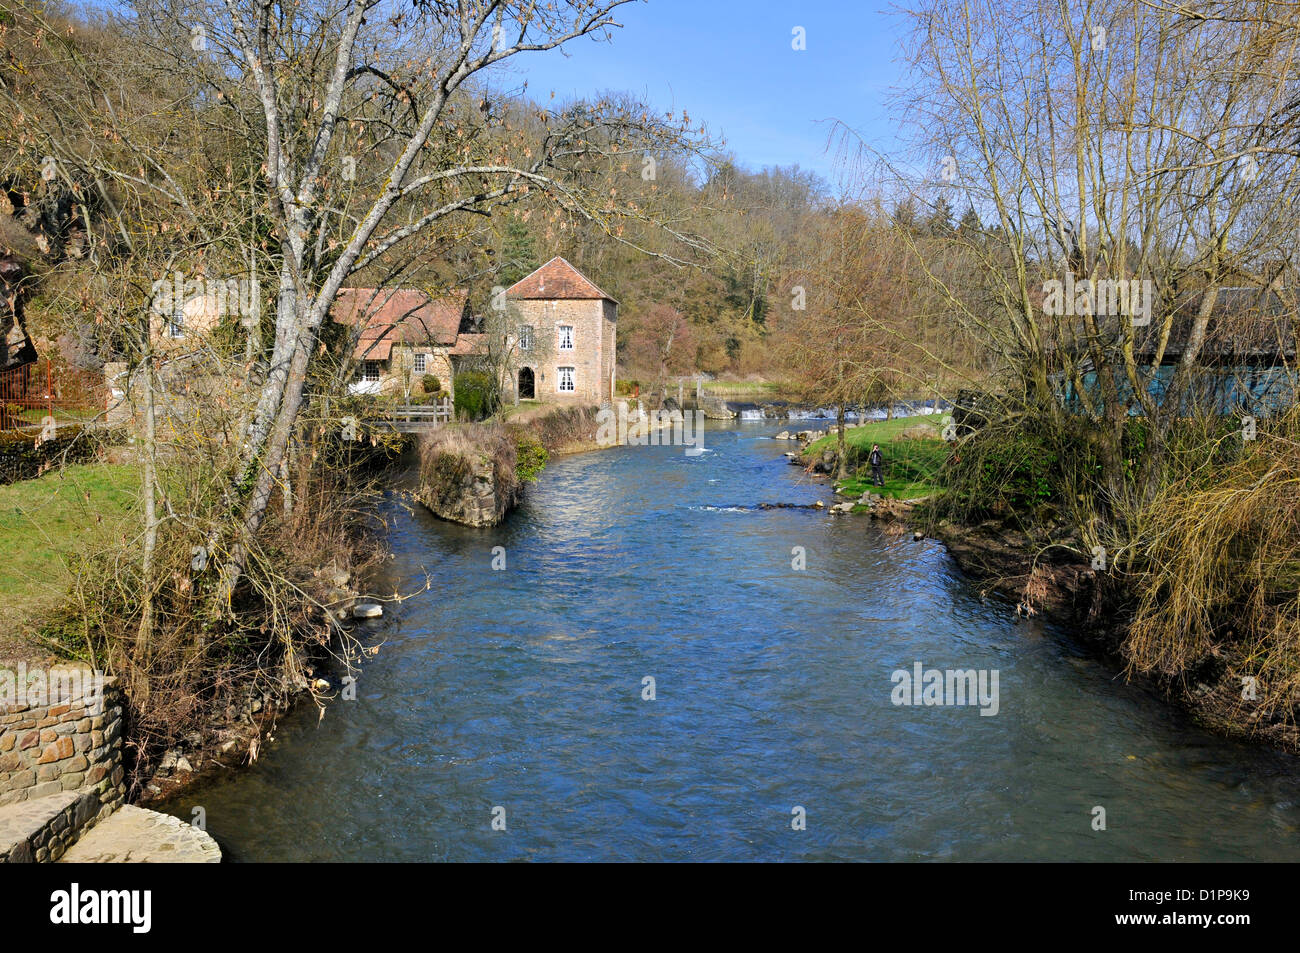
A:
(730, 64)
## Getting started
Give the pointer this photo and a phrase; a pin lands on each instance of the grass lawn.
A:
(910, 465)
(43, 520)
(737, 389)
(34, 416)
(526, 410)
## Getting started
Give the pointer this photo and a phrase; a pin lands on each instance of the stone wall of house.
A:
(186, 387)
(609, 352)
(592, 356)
(70, 742)
(437, 363)
(117, 382)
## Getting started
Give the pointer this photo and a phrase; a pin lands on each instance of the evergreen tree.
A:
(905, 214)
(939, 224)
(518, 255)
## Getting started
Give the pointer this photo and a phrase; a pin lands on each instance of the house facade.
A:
(557, 342)
(402, 336)
(563, 345)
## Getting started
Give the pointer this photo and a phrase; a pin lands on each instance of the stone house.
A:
(403, 335)
(563, 343)
(186, 324)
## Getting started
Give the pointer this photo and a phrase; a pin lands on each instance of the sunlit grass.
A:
(911, 464)
(44, 520)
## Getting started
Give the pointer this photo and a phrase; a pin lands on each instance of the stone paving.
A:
(136, 835)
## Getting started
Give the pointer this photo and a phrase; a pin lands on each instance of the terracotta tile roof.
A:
(556, 280)
(467, 344)
(370, 349)
(398, 316)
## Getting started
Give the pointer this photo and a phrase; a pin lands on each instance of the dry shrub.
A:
(449, 454)
(566, 427)
(1036, 589)
(204, 660)
(1220, 594)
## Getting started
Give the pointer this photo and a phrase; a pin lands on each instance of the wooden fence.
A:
(413, 417)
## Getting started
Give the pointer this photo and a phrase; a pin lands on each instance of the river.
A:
(518, 696)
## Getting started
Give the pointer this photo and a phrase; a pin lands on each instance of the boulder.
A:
(919, 432)
(335, 576)
(715, 409)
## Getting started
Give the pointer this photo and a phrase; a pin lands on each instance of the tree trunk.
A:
(842, 459)
(276, 447)
(144, 637)
(286, 483)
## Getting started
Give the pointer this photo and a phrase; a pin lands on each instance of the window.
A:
(370, 371)
(421, 363)
(176, 324)
(525, 337)
(566, 380)
(566, 337)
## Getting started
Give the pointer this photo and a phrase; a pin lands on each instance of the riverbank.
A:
(1042, 572)
(184, 721)
(1040, 568)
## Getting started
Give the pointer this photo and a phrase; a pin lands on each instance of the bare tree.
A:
(1139, 148)
(353, 134)
(846, 303)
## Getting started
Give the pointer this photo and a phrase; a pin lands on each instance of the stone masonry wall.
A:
(67, 744)
(591, 358)
(41, 831)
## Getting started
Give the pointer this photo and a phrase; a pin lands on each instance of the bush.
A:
(530, 457)
(1218, 581)
(566, 427)
(431, 384)
(1001, 469)
(476, 395)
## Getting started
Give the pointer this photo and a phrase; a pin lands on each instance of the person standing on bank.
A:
(877, 460)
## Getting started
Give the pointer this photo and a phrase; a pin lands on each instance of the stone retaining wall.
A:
(68, 741)
(41, 831)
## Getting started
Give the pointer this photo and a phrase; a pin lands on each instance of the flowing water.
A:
(519, 695)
